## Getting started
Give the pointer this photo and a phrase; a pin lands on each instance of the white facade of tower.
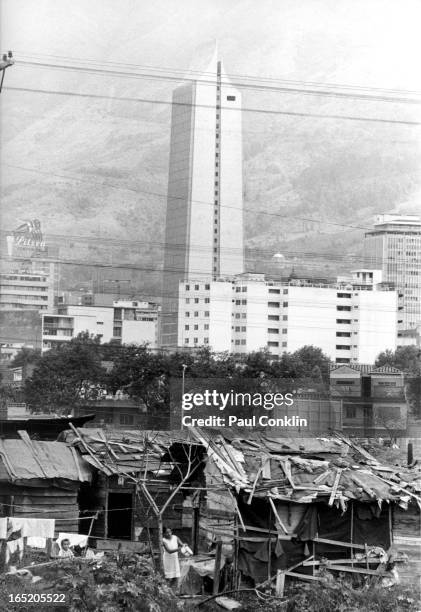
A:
(204, 223)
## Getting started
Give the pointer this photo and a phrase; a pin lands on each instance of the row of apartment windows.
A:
(197, 287)
(196, 327)
(22, 306)
(196, 341)
(197, 300)
(196, 313)
(278, 291)
(24, 298)
(24, 288)
(37, 279)
(57, 332)
(274, 344)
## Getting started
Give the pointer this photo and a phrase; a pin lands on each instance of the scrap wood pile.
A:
(126, 452)
(333, 470)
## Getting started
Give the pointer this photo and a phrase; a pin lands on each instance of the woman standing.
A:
(171, 544)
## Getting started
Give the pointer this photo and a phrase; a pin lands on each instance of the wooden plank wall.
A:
(42, 502)
(407, 539)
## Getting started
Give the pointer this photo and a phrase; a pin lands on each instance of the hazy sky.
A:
(362, 42)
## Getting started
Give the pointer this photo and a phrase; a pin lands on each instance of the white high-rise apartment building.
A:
(394, 246)
(204, 222)
(350, 322)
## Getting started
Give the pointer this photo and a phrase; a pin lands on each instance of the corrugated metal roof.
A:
(27, 459)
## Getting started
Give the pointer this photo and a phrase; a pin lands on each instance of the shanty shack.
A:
(273, 502)
(41, 480)
(298, 499)
(136, 476)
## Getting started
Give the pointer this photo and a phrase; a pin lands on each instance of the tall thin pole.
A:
(6, 61)
(183, 380)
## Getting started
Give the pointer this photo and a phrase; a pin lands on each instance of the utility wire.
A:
(183, 71)
(243, 109)
(212, 83)
(168, 196)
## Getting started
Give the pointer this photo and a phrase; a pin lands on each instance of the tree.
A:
(25, 357)
(408, 360)
(405, 358)
(66, 376)
(147, 376)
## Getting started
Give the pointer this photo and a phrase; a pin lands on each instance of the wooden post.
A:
(195, 530)
(269, 543)
(313, 553)
(3, 555)
(106, 513)
(410, 454)
(280, 583)
(217, 570)
(148, 531)
(366, 556)
(49, 547)
(236, 551)
(352, 531)
(390, 524)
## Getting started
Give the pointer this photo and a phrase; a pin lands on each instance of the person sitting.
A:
(65, 550)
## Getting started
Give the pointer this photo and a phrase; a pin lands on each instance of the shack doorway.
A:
(120, 515)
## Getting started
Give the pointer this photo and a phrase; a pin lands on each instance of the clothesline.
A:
(34, 509)
(42, 510)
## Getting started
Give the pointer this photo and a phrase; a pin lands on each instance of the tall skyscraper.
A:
(204, 222)
(394, 246)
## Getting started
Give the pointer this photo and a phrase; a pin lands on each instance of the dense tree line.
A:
(76, 372)
(81, 370)
(408, 360)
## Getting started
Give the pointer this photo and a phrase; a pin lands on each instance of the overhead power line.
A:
(243, 109)
(236, 84)
(200, 276)
(187, 71)
(166, 196)
(292, 257)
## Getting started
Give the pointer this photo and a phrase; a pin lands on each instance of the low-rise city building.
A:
(374, 400)
(126, 322)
